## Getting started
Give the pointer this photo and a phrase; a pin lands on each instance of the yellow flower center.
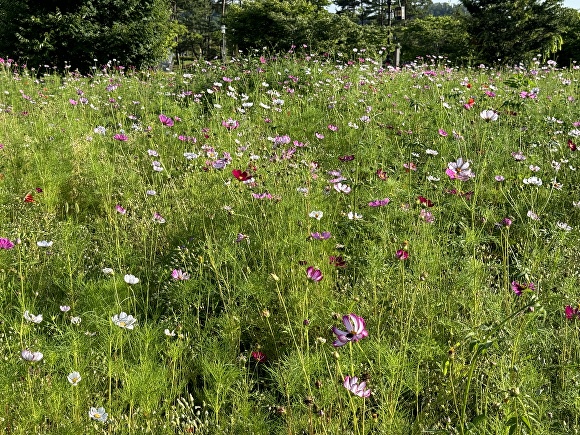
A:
(122, 324)
(97, 415)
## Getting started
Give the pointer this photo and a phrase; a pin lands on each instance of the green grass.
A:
(451, 348)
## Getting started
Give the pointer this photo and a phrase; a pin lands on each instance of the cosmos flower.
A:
(231, 124)
(6, 243)
(74, 378)
(489, 115)
(571, 312)
(259, 356)
(379, 202)
(124, 320)
(402, 254)
(240, 175)
(535, 181)
(355, 330)
(131, 279)
(98, 414)
(166, 120)
(179, 275)
(519, 288)
(354, 216)
(314, 274)
(316, 214)
(28, 355)
(459, 170)
(344, 188)
(32, 318)
(44, 243)
(352, 385)
(321, 236)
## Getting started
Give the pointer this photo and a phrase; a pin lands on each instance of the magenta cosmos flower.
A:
(6, 243)
(571, 312)
(355, 330)
(166, 120)
(519, 288)
(314, 274)
(352, 385)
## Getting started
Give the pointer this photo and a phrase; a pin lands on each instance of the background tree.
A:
(279, 24)
(440, 36)
(135, 32)
(570, 51)
(199, 22)
(508, 31)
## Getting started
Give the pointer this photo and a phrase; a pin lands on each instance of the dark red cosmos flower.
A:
(337, 261)
(29, 198)
(346, 158)
(425, 201)
(241, 175)
(38, 189)
(572, 145)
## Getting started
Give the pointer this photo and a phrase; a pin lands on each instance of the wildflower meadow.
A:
(299, 244)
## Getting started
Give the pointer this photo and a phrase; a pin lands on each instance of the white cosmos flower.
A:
(339, 187)
(28, 355)
(44, 243)
(98, 414)
(32, 318)
(108, 271)
(74, 378)
(124, 320)
(489, 115)
(533, 216)
(354, 216)
(131, 279)
(316, 214)
(564, 226)
(533, 180)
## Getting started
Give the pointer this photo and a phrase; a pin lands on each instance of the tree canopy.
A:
(134, 32)
(508, 31)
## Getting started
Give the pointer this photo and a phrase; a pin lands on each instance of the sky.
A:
(572, 4)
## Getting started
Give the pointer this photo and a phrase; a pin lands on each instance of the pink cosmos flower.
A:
(231, 124)
(314, 274)
(355, 330)
(321, 236)
(332, 127)
(442, 133)
(179, 275)
(459, 170)
(352, 385)
(120, 209)
(121, 137)
(379, 202)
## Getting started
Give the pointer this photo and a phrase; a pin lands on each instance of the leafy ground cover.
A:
(301, 244)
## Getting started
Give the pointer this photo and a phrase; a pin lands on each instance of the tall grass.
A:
(119, 197)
